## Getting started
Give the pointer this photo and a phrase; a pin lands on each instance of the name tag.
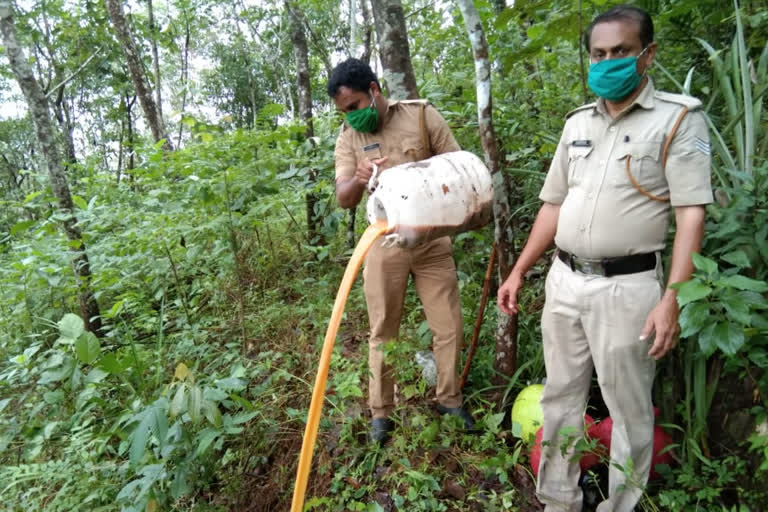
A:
(585, 143)
(372, 151)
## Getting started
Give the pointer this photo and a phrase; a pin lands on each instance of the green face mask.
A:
(614, 79)
(364, 120)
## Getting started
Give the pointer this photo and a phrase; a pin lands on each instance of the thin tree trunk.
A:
(62, 116)
(129, 126)
(368, 30)
(184, 75)
(39, 110)
(506, 330)
(156, 63)
(352, 26)
(393, 49)
(121, 145)
(139, 77)
(304, 88)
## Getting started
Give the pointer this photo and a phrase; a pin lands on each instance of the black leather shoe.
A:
(381, 428)
(469, 421)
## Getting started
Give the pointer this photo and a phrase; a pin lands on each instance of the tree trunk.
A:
(39, 110)
(184, 75)
(61, 111)
(156, 63)
(139, 77)
(393, 49)
(506, 331)
(367, 30)
(304, 88)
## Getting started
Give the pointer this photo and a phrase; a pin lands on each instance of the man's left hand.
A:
(663, 321)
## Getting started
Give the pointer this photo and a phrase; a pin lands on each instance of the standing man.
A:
(388, 133)
(622, 163)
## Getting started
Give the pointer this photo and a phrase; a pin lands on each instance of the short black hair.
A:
(624, 13)
(352, 73)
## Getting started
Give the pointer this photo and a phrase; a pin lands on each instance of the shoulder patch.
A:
(581, 108)
(681, 99)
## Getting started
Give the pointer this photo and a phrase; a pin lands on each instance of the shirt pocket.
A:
(578, 160)
(640, 162)
(414, 149)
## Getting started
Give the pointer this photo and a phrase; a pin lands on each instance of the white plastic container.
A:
(422, 201)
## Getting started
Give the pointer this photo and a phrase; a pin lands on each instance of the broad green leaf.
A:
(181, 371)
(87, 347)
(231, 384)
(690, 291)
(754, 299)
(71, 326)
(707, 340)
(110, 364)
(743, 283)
(693, 318)
(32, 196)
(179, 401)
(159, 424)
(212, 413)
(80, 202)
(139, 438)
(730, 337)
(535, 31)
(195, 403)
(205, 439)
(737, 309)
(58, 373)
(22, 226)
(704, 264)
(179, 486)
(737, 258)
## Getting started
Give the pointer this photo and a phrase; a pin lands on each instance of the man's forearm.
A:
(689, 231)
(349, 191)
(541, 238)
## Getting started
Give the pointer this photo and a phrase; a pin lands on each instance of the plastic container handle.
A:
(373, 181)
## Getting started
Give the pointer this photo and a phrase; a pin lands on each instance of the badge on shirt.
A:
(702, 145)
(372, 151)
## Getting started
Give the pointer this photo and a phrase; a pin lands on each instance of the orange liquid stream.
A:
(318, 394)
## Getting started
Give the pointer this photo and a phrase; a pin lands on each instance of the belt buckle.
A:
(591, 267)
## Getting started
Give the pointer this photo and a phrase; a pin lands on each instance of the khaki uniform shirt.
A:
(399, 138)
(602, 214)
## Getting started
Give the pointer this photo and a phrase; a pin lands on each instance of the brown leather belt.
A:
(608, 267)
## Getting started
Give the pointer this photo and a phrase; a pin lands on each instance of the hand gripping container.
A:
(421, 201)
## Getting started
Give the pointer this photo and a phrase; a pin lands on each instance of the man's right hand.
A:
(365, 169)
(507, 296)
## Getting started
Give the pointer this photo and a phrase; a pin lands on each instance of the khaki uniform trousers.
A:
(386, 276)
(590, 319)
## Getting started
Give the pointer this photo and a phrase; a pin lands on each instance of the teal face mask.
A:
(364, 120)
(614, 79)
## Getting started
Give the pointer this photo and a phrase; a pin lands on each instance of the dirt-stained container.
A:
(422, 201)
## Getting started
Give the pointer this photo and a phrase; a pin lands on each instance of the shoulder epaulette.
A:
(681, 99)
(413, 102)
(583, 107)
